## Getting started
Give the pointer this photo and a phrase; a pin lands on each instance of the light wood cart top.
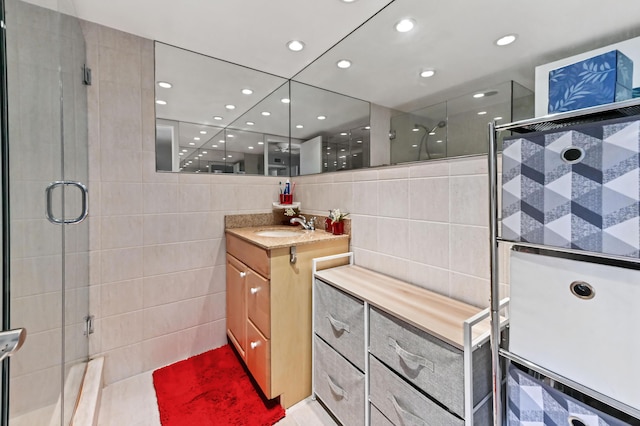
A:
(437, 314)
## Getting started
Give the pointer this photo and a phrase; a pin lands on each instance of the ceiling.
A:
(456, 38)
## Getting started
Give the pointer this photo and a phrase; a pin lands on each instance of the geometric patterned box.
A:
(599, 80)
(534, 403)
(578, 187)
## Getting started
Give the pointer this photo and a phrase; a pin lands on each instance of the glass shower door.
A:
(48, 284)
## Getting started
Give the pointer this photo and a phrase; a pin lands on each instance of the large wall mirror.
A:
(440, 83)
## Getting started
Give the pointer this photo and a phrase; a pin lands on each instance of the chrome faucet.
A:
(311, 225)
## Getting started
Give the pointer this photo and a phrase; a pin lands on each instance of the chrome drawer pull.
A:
(255, 344)
(338, 325)
(407, 417)
(408, 357)
(243, 274)
(337, 389)
(254, 290)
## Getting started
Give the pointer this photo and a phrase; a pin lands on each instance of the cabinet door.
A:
(259, 359)
(259, 302)
(236, 304)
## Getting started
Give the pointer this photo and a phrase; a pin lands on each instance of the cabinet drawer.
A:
(339, 320)
(338, 384)
(401, 403)
(251, 255)
(431, 364)
(259, 302)
(378, 419)
(259, 358)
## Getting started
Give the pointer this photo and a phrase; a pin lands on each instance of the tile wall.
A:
(157, 239)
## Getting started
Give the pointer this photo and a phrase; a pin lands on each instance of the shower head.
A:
(440, 125)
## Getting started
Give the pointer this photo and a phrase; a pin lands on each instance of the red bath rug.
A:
(212, 389)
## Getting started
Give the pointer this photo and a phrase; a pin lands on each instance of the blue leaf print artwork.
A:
(588, 83)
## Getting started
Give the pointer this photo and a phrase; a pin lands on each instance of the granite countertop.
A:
(250, 234)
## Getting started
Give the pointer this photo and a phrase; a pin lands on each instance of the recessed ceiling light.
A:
(367, 127)
(414, 146)
(217, 117)
(231, 136)
(199, 155)
(214, 146)
(343, 134)
(260, 143)
(184, 150)
(405, 25)
(497, 118)
(438, 141)
(165, 84)
(359, 141)
(250, 147)
(348, 1)
(250, 123)
(285, 100)
(181, 153)
(196, 138)
(295, 45)
(328, 147)
(161, 102)
(229, 155)
(192, 143)
(415, 129)
(265, 113)
(221, 141)
(247, 91)
(506, 40)
(204, 152)
(343, 63)
(432, 133)
(203, 132)
(299, 126)
(482, 112)
(478, 95)
(230, 107)
(322, 117)
(355, 155)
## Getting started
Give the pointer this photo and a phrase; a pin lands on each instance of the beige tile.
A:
(95, 267)
(162, 228)
(471, 290)
(365, 175)
(204, 179)
(393, 237)
(160, 197)
(174, 317)
(429, 199)
(32, 356)
(364, 232)
(339, 177)
(120, 40)
(120, 198)
(201, 226)
(365, 198)
(120, 297)
(168, 288)
(468, 166)
(119, 66)
(469, 200)
(431, 278)
(36, 389)
(120, 117)
(148, 111)
(393, 198)
(119, 165)
(162, 259)
(430, 169)
(130, 402)
(121, 364)
(36, 275)
(121, 264)
(194, 197)
(469, 250)
(399, 172)
(121, 231)
(121, 330)
(397, 267)
(429, 243)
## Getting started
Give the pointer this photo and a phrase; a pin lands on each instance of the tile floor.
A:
(132, 402)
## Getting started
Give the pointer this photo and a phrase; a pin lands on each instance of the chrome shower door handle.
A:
(11, 341)
(49, 202)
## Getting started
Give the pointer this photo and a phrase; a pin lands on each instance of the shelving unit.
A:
(546, 123)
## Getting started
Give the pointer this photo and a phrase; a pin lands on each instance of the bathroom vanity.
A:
(269, 303)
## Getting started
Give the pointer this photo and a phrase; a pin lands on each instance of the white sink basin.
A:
(278, 233)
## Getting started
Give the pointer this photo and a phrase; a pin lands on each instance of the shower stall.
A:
(44, 201)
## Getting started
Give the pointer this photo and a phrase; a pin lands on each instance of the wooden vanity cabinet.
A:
(269, 312)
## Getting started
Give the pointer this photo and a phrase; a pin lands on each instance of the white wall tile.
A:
(121, 231)
(121, 264)
(393, 198)
(122, 363)
(120, 297)
(118, 198)
(429, 243)
(365, 198)
(393, 237)
(431, 278)
(469, 200)
(472, 290)
(364, 233)
(469, 250)
(429, 199)
(121, 330)
(160, 198)
(162, 228)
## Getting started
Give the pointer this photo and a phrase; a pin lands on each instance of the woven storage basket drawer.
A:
(378, 419)
(431, 364)
(578, 319)
(575, 188)
(403, 404)
(339, 320)
(338, 384)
